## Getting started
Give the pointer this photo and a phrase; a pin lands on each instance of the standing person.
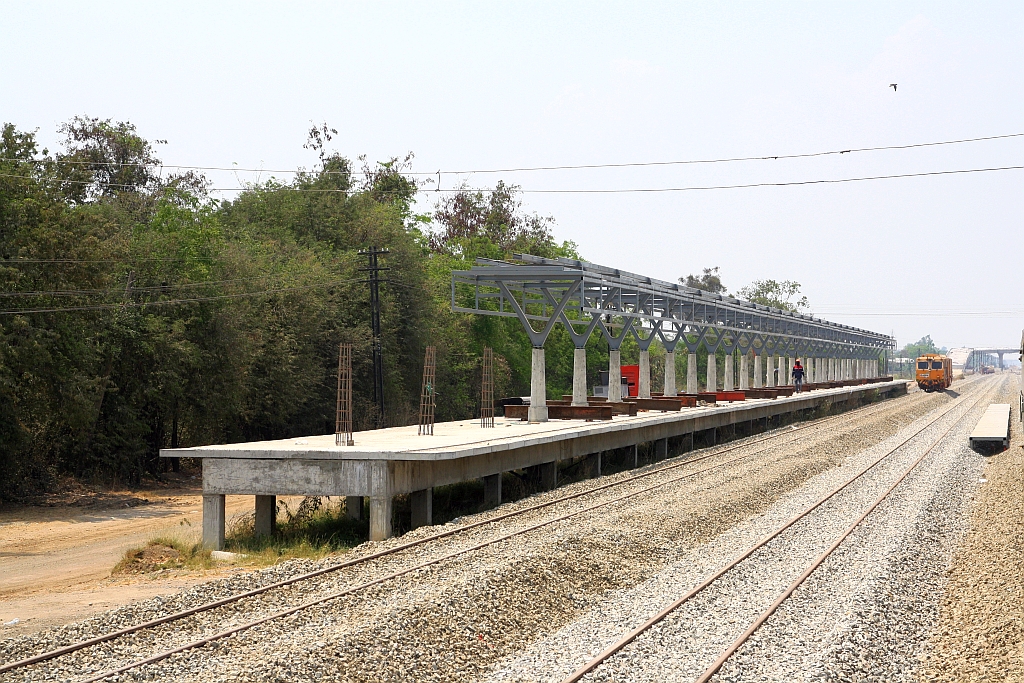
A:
(798, 375)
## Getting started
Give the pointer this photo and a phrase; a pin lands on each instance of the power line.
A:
(133, 260)
(820, 181)
(149, 288)
(168, 302)
(770, 157)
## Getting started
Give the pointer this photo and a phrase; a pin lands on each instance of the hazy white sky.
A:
(488, 85)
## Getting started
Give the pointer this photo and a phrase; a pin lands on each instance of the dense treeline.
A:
(139, 313)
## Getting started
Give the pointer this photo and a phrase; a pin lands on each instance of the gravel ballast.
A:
(463, 617)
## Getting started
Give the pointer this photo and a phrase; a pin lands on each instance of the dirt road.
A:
(55, 562)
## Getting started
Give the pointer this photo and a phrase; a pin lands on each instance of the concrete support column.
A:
(744, 373)
(354, 507)
(579, 377)
(380, 500)
(614, 376)
(422, 508)
(691, 373)
(758, 371)
(729, 383)
(770, 376)
(662, 449)
(592, 465)
(492, 491)
(644, 390)
(538, 388)
(670, 374)
(548, 475)
(213, 521)
(785, 371)
(266, 515)
(712, 379)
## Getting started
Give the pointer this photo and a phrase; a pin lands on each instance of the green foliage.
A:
(709, 281)
(781, 295)
(921, 347)
(155, 317)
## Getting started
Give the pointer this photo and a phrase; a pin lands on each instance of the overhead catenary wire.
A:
(691, 188)
(564, 167)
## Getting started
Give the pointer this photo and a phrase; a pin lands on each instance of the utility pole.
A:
(378, 358)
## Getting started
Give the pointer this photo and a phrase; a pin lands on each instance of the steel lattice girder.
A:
(584, 295)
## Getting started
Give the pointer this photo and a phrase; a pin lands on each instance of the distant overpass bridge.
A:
(974, 357)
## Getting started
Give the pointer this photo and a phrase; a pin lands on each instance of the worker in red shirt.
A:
(798, 375)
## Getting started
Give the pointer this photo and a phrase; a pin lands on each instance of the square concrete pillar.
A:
(712, 379)
(770, 366)
(614, 376)
(592, 465)
(381, 503)
(579, 377)
(728, 383)
(636, 456)
(538, 411)
(548, 475)
(213, 521)
(266, 515)
(662, 449)
(670, 374)
(744, 373)
(644, 390)
(422, 507)
(354, 507)
(758, 371)
(492, 491)
(691, 373)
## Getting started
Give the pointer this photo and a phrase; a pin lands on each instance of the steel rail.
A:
(731, 650)
(402, 572)
(74, 647)
(632, 635)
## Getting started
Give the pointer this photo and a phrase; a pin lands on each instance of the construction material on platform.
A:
(563, 411)
(427, 398)
(487, 389)
(993, 429)
(343, 417)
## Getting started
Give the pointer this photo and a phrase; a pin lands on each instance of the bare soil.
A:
(58, 553)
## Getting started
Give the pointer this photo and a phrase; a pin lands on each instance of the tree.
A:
(776, 294)
(709, 281)
(494, 226)
(921, 347)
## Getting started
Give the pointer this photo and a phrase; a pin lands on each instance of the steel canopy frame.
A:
(588, 295)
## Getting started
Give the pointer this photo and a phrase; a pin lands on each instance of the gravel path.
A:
(456, 620)
(791, 645)
(980, 631)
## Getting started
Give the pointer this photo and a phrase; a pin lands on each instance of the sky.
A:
(488, 85)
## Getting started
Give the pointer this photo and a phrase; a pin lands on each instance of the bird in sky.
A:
(893, 86)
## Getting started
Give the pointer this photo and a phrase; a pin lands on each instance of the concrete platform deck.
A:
(387, 462)
(993, 428)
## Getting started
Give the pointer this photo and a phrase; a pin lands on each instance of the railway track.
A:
(595, 663)
(772, 440)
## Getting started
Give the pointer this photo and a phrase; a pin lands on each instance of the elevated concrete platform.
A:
(387, 462)
(993, 429)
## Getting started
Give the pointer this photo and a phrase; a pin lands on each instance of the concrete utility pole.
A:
(378, 357)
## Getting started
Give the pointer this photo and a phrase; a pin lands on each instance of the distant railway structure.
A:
(843, 366)
(588, 298)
